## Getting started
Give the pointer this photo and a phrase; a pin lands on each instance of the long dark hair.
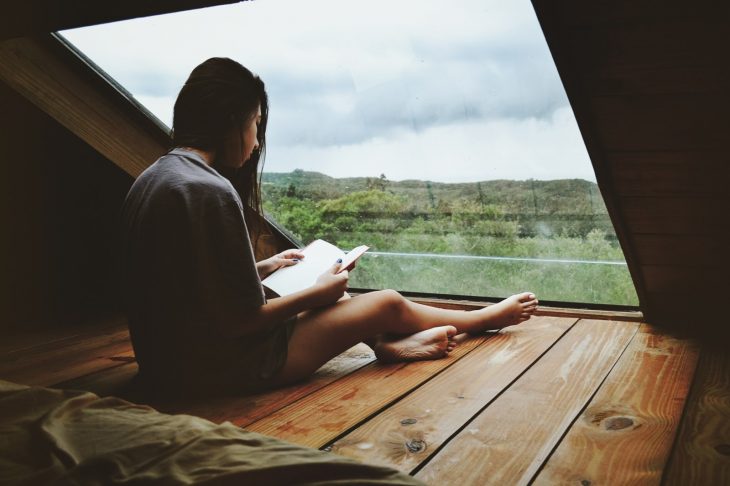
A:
(218, 98)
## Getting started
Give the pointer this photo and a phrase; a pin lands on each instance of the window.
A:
(437, 133)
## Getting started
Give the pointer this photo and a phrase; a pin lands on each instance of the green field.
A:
(490, 238)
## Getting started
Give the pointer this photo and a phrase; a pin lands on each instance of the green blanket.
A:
(69, 437)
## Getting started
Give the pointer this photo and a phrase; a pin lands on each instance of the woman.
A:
(197, 312)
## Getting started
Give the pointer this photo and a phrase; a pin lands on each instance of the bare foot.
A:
(512, 310)
(429, 344)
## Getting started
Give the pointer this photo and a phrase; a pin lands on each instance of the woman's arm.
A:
(329, 287)
(284, 259)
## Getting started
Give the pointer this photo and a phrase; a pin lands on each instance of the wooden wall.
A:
(649, 83)
(59, 204)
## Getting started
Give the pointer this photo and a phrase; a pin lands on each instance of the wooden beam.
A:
(32, 17)
(65, 85)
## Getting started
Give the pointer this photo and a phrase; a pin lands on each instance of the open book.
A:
(319, 256)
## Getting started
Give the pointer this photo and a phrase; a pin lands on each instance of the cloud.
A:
(409, 79)
(474, 150)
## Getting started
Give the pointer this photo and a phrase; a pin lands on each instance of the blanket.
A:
(52, 436)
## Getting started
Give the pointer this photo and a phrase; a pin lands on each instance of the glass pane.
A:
(437, 133)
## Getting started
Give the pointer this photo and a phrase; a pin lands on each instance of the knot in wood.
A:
(618, 423)
(408, 421)
(723, 449)
(585, 482)
(415, 445)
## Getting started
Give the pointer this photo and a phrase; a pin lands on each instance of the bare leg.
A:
(322, 334)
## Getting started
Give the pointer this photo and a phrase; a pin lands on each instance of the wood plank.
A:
(652, 42)
(240, 410)
(688, 279)
(112, 381)
(626, 433)
(667, 122)
(66, 359)
(611, 80)
(28, 339)
(676, 215)
(702, 451)
(320, 417)
(410, 431)
(579, 13)
(243, 410)
(690, 316)
(61, 84)
(701, 250)
(672, 174)
(509, 441)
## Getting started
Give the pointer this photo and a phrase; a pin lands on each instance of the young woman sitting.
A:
(197, 312)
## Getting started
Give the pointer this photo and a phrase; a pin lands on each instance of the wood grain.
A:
(28, 339)
(700, 250)
(670, 174)
(322, 416)
(112, 381)
(509, 441)
(243, 410)
(626, 433)
(54, 362)
(690, 280)
(676, 215)
(405, 434)
(702, 452)
(667, 122)
(50, 76)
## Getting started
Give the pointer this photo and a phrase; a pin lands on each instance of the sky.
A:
(456, 91)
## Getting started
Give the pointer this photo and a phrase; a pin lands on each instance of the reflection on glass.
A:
(551, 237)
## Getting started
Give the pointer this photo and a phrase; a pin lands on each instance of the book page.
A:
(352, 257)
(318, 257)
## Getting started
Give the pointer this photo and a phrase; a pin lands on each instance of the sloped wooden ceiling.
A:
(649, 83)
(23, 18)
(61, 83)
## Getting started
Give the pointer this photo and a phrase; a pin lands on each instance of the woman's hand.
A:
(286, 258)
(331, 286)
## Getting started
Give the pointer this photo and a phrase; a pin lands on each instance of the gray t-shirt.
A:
(190, 274)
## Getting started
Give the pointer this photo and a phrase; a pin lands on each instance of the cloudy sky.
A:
(463, 90)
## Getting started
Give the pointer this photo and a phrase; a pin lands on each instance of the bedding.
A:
(52, 436)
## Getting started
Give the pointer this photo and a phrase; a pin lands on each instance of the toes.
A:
(450, 331)
(526, 296)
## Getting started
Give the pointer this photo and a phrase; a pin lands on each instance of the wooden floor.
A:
(555, 400)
